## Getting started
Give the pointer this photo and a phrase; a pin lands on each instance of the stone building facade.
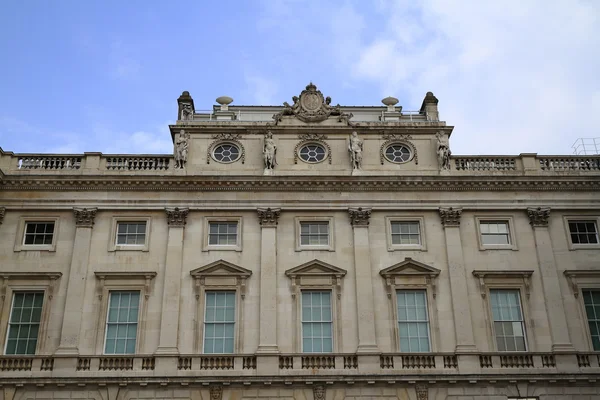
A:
(304, 251)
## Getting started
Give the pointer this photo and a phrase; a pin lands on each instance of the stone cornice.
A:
(300, 183)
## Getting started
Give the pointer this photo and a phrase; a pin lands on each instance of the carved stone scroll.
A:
(359, 216)
(176, 216)
(84, 217)
(450, 216)
(538, 216)
(268, 216)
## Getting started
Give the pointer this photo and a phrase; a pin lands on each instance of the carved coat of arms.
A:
(311, 106)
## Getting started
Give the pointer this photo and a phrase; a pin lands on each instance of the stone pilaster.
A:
(267, 342)
(538, 218)
(169, 318)
(463, 323)
(367, 339)
(78, 270)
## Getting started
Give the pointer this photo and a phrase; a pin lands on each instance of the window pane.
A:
(23, 327)
(509, 326)
(219, 322)
(121, 322)
(413, 321)
(317, 325)
(591, 300)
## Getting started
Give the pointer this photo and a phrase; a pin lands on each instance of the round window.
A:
(226, 153)
(397, 153)
(312, 153)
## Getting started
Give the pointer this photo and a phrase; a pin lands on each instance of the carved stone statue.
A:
(180, 148)
(443, 150)
(269, 152)
(187, 113)
(355, 148)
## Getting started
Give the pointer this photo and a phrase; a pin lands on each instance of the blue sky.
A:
(105, 75)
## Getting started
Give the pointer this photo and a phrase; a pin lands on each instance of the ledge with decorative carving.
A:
(300, 183)
(401, 368)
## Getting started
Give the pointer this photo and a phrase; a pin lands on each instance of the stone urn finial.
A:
(224, 101)
(390, 102)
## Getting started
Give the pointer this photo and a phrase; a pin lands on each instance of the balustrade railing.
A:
(484, 163)
(48, 162)
(137, 163)
(569, 163)
(302, 364)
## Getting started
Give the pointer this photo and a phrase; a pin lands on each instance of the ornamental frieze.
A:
(303, 184)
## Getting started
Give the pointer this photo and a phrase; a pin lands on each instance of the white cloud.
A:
(262, 90)
(518, 77)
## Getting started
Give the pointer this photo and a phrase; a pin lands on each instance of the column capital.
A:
(359, 216)
(84, 217)
(2, 213)
(450, 216)
(176, 216)
(538, 216)
(268, 217)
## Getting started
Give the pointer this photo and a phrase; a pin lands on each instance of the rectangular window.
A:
(508, 320)
(583, 232)
(591, 300)
(222, 233)
(38, 233)
(24, 322)
(317, 322)
(122, 322)
(494, 232)
(314, 233)
(406, 232)
(131, 233)
(219, 322)
(413, 321)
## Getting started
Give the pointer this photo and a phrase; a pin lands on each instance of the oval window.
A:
(226, 153)
(398, 153)
(312, 153)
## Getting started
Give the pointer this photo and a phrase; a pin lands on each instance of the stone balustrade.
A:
(300, 365)
(123, 164)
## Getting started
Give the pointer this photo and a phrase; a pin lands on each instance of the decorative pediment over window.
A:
(124, 278)
(316, 274)
(581, 277)
(47, 277)
(503, 278)
(410, 273)
(221, 274)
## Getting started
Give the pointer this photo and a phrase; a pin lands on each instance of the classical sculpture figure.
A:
(180, 148)
(186, 112)
(443, 150)
(269, 152)
(355, 148)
